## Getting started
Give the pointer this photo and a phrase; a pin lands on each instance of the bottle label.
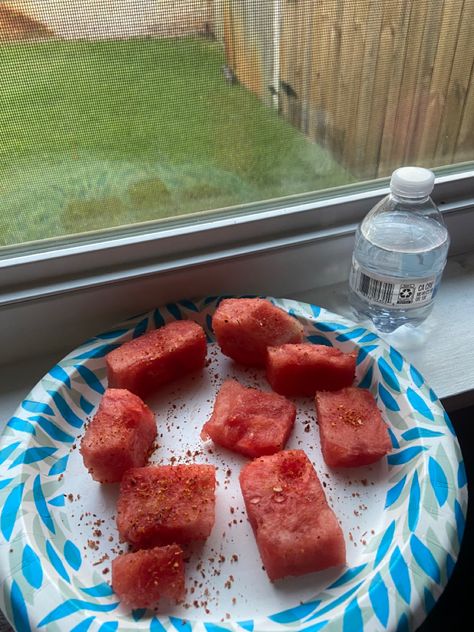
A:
(389, 291)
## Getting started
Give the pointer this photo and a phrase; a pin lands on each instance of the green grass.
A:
(100, 134)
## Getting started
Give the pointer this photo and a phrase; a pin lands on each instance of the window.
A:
(120, 113)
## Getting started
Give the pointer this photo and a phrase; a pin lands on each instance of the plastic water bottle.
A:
(400, 252)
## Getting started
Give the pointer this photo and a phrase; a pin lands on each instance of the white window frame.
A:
(68, 289)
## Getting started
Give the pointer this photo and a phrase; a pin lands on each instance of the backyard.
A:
(95, 134)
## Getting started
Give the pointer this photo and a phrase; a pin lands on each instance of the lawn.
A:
(100, 134)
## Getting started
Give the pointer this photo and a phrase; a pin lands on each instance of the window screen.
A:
(114, 112)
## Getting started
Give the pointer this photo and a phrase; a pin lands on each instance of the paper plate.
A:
(403, 518)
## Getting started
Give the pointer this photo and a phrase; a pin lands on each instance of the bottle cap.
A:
(413, 182)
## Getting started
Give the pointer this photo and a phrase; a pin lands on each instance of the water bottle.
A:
(399, 255)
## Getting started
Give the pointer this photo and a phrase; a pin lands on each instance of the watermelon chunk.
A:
(158, 357)
(250, 421)
(245, 327)
(142, 578)
(351, 428)
(300, 370)
(162, 504)
(120, 436)
(296, 530)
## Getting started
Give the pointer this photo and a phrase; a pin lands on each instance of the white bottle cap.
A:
(413, 182)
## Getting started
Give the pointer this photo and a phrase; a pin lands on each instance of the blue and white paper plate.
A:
(403, 518)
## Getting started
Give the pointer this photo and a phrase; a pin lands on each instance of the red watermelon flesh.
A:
(142, 578)
(351, 428)
(250, 421)
(165, 504)
(158, 357)
(120, 436)
(299, 370)
(245, 327)
(296, 530)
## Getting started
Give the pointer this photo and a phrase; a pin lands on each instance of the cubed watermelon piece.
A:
(296, 530)
(142, 578)
(351, 428)
(162, 504)
(299, 370)
(158, 357)
(120, 436)
(250, 421)
(245, 327)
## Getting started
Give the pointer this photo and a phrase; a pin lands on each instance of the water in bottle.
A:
(399, 254)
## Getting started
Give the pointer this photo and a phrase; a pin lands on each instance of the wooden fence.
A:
(381, 83)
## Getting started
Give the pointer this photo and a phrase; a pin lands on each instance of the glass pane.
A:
(114, 112)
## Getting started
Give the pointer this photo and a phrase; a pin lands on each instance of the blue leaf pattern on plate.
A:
(448, 423)
(316, 626)
(347, 576)
(86, 406)
(394, 492)
(388, 399)
(158, 318)
(388, 375)
(90, 378)
(416, 377)
(213, 627)
(10, 510)
(450, 564)
(56, 562)
(336, 602)
(96, 352)
(438, 481)
(425, 559)
(4, 482)
(430, 601)
(174, 311)
(399, 458)
(294, 614)
(83, 626)
(57, 501)
(367, 379)
(462, 479)
(37, 407)
(65, 410)
(101, 590)
(155, 626)
(403, 624)
(414, 503)
(460, 520)
(350, 335)
(325, 326)
(59, 466)
(368, 338)
(60, 374)
(52, 430)
(19, 610)
(396, 359)
(7, 450)
(72, 555)
(73, 605)
(393, 439)
(385, 543)
(364, 352)
(433, 395)
(319, 340)
(419, 404)
(140, 328)
(352, 621)
(189, 305)
(138, 614)
(116, 333)
(378, 594)
(181, 624)
(32, 455)
(246, 625)
(400, 575)
(41, 505)
(418, 432)
(21, 425)
(31, 567)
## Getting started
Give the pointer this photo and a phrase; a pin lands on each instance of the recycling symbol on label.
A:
(406, 292)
